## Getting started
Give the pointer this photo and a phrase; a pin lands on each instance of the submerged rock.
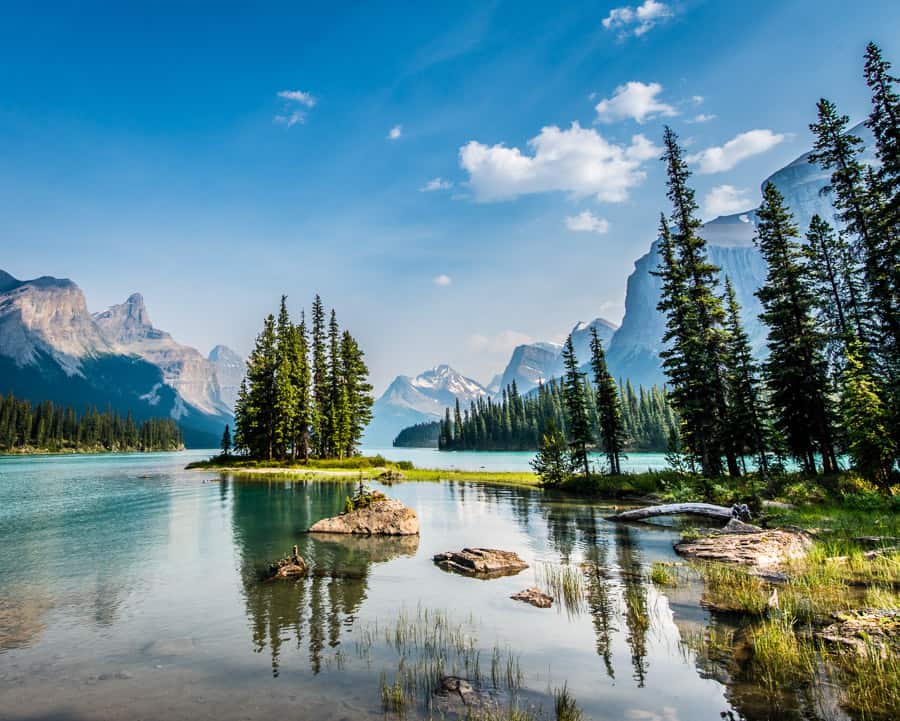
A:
(482, 562)
(454, 692)
(387, 517)
(289, 567)
(865, 628)
(535, 597)
(748, 545)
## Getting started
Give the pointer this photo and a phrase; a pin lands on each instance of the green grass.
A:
(871, 684)
(564, 582)
(663, 574)
(565, 705)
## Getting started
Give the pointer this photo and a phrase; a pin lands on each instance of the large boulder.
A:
(864, 629)
(481, 562)
(387, 517)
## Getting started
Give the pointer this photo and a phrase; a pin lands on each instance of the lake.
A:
(130, 588)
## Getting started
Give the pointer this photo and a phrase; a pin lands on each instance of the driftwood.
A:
(694, 509)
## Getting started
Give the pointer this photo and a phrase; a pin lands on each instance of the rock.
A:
(865, 628)
(737, 526)
(747, 546)
(388, 517)
(482, 562)
(534, 596)
(291, 566)
(454, 692)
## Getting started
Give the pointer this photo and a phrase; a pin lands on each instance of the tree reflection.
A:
(267, 520)
(637, 618)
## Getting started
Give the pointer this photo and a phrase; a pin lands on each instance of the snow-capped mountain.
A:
(408, 401)
(230, 368)
(536, 363)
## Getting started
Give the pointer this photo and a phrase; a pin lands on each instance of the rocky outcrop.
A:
(459, 696)
(388, 517)
(865, 629)
(481, 562)
(535, 597)
(747, 545)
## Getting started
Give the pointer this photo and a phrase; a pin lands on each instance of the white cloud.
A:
(726, 200)
(702, 118)
(436, 184)
(442, 280)
(298, 96)
(745, 145)
(500, 344)
(697, 99)
(587, 222)
(637, 20)
(635, 100)
(293, 115)
(395, 132)
(578, 161)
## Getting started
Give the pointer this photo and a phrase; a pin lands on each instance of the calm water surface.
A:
(129, 589)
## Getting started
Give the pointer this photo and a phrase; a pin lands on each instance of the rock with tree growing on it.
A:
(371, 513)
(292, 566)
(481, 562)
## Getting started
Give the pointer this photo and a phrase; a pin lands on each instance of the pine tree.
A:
(321, 386)
(261, 399)
(698, 383)
(358, 391)
(795, 370)
(612, 432)
(226, 441)
(553, 462)
(301, 379)
(746, 419)
(838, 151)
(285, 407)
(867, 424)
(337, 401)
(580, 435)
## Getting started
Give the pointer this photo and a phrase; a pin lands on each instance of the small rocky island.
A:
(371, 513)
(481, 562)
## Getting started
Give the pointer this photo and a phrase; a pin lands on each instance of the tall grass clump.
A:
(564, 582)
(871, 690)
(566, 707)
(779, 656)
(663, 574)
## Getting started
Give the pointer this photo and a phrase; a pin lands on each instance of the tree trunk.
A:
(670, 509)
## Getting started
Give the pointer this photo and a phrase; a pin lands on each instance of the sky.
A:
(454, 178)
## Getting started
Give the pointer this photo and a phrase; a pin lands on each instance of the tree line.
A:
(47, 426)
(831, 305)
(516, 422)
(306, 391)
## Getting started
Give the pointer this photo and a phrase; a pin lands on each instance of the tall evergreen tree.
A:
(698, 383)
(795, 370)
(321, 385)
(358, 391)
(580, 435)
(746, 418)
(337, 400)
(226, 441)
(301, 378)
(260, 403)
(285, 408)
(609, 414)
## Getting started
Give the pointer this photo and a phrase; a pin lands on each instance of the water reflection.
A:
(637, 615)
(311, 612)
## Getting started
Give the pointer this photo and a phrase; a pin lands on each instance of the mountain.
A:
(128, 328)
(408, 401)
(535, 363)
(634, 349)
(230, 369)
(52, 348)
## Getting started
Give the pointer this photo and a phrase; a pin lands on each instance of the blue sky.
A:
(415, 163)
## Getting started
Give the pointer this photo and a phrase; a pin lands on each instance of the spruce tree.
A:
(609, 414)
(321, 386)
(553, 462)
(226, 441)
(746, 419)
(697, 315)
(337, 400)
(795, 370)
(285, 389)
(576, 409)
(260, 401)
(358, 394)
(867, 424)
(302, 382)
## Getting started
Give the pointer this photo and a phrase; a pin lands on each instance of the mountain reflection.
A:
(308, 613)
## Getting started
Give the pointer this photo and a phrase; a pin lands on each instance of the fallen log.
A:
(709, 510)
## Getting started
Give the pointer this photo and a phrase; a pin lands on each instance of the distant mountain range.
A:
(52, 347)
(633, 348)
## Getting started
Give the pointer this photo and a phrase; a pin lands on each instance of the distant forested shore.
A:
(48, 427)
(515, 421)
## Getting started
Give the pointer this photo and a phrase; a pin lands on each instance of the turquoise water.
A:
(130, 588)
